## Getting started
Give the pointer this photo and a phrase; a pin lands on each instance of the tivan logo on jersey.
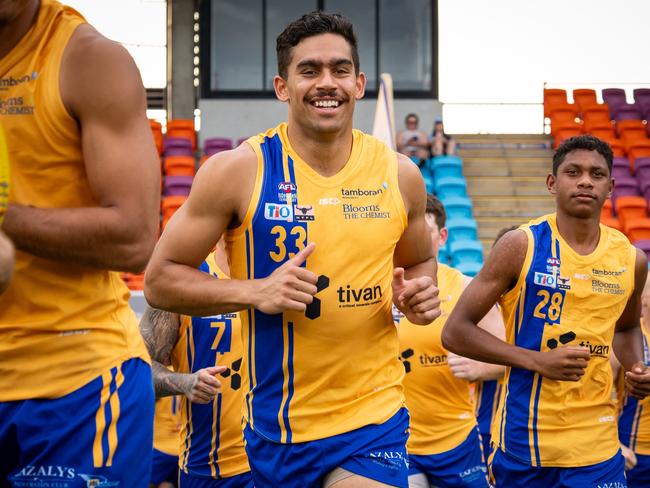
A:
(303, 212)
(595, 349)
(428, 360)
(547, 280)
(276, 211)
(358, 297)
(287, 192)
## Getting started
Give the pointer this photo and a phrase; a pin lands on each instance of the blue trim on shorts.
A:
(375, 451)
(510, 471)
(462, 467)
(49, 442)
(243, 480)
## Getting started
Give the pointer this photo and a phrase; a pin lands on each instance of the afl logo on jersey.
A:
(287, 192)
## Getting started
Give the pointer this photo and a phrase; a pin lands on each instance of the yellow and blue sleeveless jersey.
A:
(562, 298)
(441, 407)
(486, 394)
(335, 367)
(211, 439)
(634, 415)
(166, 425)
(62, 324)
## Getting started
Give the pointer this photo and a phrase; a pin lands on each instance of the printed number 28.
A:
(298, 236)
(554, 307)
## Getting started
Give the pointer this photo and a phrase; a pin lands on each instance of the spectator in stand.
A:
(441, 143)
(413, 142)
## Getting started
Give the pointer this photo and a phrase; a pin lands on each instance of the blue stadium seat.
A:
(447, 167)
(458, 207)
(469, 268)
(429, 181)
(443, 254)
(462, 229)
(463, 251)
(450, 187)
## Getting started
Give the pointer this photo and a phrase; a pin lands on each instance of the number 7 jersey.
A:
(561, 299)
(335, 367)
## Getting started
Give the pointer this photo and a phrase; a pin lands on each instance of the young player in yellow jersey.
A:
(166, 431)
(634, 418)
(83, 205)
(324, 228)
(570, 292)
(444, 446)
(211, 442)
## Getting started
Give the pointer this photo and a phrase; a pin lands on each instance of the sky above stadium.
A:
(494, 57)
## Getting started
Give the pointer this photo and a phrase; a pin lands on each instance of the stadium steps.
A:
(506, 179)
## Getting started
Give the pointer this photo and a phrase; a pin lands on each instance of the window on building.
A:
(238, 43)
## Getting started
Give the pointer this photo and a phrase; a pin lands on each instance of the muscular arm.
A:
(160, 332)
(102, 90)
(6, 261)
(219, 198)
(414, 251)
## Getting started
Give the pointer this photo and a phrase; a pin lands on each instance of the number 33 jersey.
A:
(564, 299)
(335, 367)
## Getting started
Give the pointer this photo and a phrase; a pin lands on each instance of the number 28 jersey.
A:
(562, 298)
(335, 367)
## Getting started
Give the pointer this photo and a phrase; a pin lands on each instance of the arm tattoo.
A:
(159, 330)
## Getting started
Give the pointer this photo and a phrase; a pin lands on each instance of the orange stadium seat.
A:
(156, 130)
(552, 98)
(617, 146)
(638, 149)
(595, 111)
(583, 97)
(563, 113)
(611, 222)
(169, 205)
(182, 128)
(179, 166)
(629, 208)
(602, 131)
(607, 211)
(203, 159)
(592, 124)
(630, 131)
(638, 229)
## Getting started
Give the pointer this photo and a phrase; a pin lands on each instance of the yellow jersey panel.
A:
(634, 415)
(61, 324)
(563, 298)
(441, 407)
(211, 439)
(335, 367)
(166, 425)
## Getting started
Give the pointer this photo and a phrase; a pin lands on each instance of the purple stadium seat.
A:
(177, 146)
(642, 169)
(645, 188)
(644, 245)
(642, 98)
(625, 187)
(627, 111)
(619, 172)
(214, 145)
(178, 185)
(621, 162)
(614, 97)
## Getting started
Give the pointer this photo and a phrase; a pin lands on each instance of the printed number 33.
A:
(299, 237)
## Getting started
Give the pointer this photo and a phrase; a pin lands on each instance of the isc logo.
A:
(546, 280)
(276, 211)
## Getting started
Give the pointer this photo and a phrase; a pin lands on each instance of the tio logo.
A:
(277, 211)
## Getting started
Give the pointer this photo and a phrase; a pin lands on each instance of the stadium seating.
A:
(183, 129)
(450, 187)
(639, 148)
(169, 205)
(177, 146)
(458, 207)
(214, 145)
(464, 250)
(642, 168)
(156, 130)
(614, 97)
(608, 210)
(584, 97)
(469, 268)
(554, 97)
(462, 229)
(179, 166)
(630, 207)
(625, 187)
(644, 245)
(178, 185)
(637, 229)
(627, 112)
(611, 222)
(446, 167)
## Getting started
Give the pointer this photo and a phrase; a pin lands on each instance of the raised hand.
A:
(637, 380)
(566, 363)
(290, 287)
(203, 385)
(417, 298)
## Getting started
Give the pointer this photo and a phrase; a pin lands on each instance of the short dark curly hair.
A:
(314, 24)
(587, 142)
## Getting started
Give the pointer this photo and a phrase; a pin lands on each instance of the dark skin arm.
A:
(628, 339)
(159, 330)
(462, 335)
(414, 283)
(101, 88)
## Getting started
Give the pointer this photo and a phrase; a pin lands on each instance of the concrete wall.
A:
(245, 117)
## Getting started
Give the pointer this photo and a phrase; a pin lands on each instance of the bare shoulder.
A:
(97, 72)
(411, 184)
(227, 180)
(507, 257)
